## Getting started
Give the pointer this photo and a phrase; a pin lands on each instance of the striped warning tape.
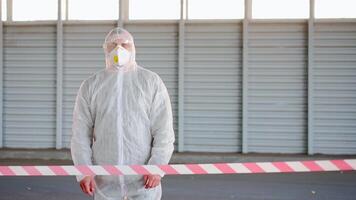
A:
(180, 169)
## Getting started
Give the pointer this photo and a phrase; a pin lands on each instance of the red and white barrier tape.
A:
(180, 169)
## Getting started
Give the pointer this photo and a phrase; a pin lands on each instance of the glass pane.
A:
(93, 9)
(221, 9)
(335, 9)
(154, 9)
(282, 9)
(64, 2)
(24, 10)
(3, 10)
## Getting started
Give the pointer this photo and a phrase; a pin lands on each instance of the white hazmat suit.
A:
(122, 116)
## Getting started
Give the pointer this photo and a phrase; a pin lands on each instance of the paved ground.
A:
(325, 186)
(334, 185)
(186, 157)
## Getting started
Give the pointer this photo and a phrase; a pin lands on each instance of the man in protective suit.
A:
(122, 116)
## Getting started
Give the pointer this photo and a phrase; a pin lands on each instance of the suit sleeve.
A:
(161, 126)
(82, 129)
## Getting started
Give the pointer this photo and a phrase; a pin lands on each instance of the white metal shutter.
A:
(29, 86)
(83, 55)
(212, 87)
(277, 95)
(156, 48)
(335, 88)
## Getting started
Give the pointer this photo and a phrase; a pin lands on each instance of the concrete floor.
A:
(330, 185)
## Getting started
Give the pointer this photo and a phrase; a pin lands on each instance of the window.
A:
(221, 9)
(25, 10)
(93, 9)
(335, 9)
(154, 9)
(3, 10)
(274, 9)
(63, 8)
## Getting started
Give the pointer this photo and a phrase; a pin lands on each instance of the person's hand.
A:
(151, 181)
(88, 185)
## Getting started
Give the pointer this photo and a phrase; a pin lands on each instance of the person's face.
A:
(119, 42)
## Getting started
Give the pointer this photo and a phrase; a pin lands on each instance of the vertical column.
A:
(123, 12)
(181, 39)
(1, 80)
(310, 78)
(59, 83)
(247, 18)
(67, 9)
(9, 10)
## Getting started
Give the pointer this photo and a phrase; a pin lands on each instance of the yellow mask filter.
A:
(116, 59)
